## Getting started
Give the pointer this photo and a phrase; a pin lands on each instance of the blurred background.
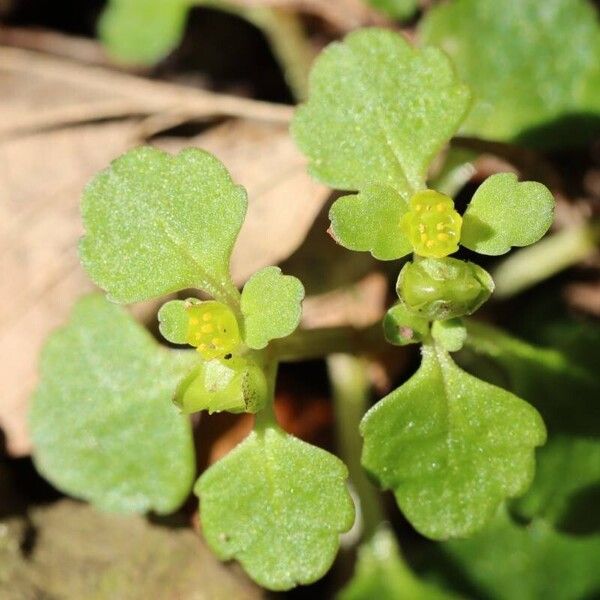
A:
(81, 81)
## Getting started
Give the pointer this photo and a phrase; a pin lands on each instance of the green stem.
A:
(266, 417)
(527, 267)
(286, 36)
(306, 344)
(351, 389)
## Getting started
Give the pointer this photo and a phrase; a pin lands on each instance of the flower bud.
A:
(443, 288)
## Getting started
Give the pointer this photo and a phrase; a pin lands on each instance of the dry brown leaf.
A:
(39, 91)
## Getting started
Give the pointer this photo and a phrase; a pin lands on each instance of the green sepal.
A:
(504, 213)
(277, 505)
(402, 327)
(451, 447)
(443, 288)
(370, 222)
(271, 306)
(235, 385)
(450, 334)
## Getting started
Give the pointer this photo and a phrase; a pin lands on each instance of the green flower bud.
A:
(402, 327)
(443, 288)
(450, 334)
(234, 385)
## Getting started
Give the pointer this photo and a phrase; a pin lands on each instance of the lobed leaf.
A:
(378, 112)
(278, 506)
(173, 320)
(271, 305)
(143, 31)
(504, 213)
(451, 447)
(382, 574)
(508, 561)
(102, 422)
(158, 223)
(370, 222)
(528, 83)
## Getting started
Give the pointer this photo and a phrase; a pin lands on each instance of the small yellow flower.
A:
(212, 329)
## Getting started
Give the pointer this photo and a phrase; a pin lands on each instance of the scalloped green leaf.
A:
(143, 31)
(508, 561)
(504, 213)
(271, 305)
(105, 384)
(451, 447)
(528, 83)
(378, 112)
(381, 574)
(158, 223)
(370, 222)
(277, 505)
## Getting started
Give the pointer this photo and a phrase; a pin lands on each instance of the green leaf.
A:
(450, 334)
(381, 574)
(173, 320)
(402, 327)
(397, 9)
(102, 422)
(370, 222)
(507, 561)
(504, 213)
(528, 83)
(378, 112)
(451, 447)
(271, 306)
(157, 223)
(277, 505)
(143, 31)
(237, 384)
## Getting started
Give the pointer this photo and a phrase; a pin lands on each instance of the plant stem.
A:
(266, 417)
(306, 344)
(286, 36)
(351, 387)
(527, 267)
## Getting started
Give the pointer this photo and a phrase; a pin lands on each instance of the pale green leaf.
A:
(102, 423)
(451, 447)
(173, 320)
(381, 574)
(278, 506)
(271, 305)
(370, 222)
(507, 561)
(143, 31)
(157, 223)
(397, 9)
(378, 112)
(504, 213)
(532, 66)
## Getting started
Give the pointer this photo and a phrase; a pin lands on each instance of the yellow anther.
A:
(205, 319)
(434, 227)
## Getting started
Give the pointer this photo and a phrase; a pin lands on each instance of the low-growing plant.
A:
(109, 419)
